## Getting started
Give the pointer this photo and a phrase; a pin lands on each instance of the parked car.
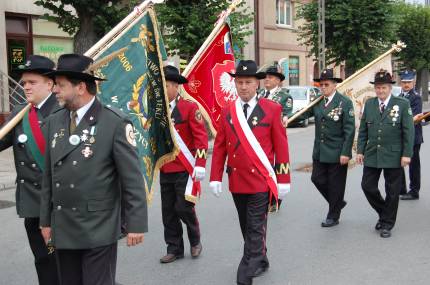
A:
(302, 97)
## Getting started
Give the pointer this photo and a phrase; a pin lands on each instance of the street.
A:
(299, 250)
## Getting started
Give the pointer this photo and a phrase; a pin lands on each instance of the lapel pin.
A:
(22, 138)
(74, 140)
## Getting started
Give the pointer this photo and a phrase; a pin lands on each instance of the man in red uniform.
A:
(253, 138)
(179, 179)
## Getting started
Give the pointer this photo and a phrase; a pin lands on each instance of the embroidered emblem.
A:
(130, 135)
(201, 153)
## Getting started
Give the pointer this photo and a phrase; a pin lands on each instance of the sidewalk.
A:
(7, 170)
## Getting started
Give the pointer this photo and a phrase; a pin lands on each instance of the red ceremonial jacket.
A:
(265, 123)
(189, 124)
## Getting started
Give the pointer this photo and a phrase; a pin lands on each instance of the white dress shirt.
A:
(83, 110)
(252, 103)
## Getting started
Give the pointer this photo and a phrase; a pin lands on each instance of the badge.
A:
(74, 140)
(84, 137)
(351, 112)
(335, 118)
(87, 152)
(22, 138)
(255, 121)
(289, 103)
(92, 140)
(396, 108)
(198, 116)
(129, 134)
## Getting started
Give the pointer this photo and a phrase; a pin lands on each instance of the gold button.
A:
(22, 181)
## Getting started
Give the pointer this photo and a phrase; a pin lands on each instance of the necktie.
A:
(382, 107)
(245, 110)
(267, 94)
(73, 116)
(325, 101)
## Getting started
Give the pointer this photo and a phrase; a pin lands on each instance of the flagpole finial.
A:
(399, 46)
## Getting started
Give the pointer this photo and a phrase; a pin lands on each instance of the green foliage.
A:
(187, 24)
(414, 30)
(357, 31)
(95, 16)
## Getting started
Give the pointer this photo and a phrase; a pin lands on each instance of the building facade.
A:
(22, 33)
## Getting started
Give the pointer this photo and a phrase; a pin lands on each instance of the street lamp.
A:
(321, 34)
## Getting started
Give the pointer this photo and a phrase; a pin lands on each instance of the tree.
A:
(414, 31)
(186, 24)
(356, 32)
(87, 20)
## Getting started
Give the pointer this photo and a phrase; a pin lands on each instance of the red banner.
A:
(208, 81)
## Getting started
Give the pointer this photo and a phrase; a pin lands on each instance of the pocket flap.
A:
(100, 205)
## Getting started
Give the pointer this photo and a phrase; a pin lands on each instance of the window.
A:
(284, 13)
(294, 78)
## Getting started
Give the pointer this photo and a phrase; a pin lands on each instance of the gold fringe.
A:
(172, 155)
(191, 198)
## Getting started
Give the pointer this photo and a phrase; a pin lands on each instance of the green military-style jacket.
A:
(282, 97)
(89, 176)
(384, 139)
(334, 129)
(28, 172)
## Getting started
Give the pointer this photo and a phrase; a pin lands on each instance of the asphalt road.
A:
(299, 250)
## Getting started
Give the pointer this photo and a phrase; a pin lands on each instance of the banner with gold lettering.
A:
(136, 85)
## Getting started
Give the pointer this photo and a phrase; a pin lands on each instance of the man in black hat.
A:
(385, 143)
(180, 179)
(28, 142)
(274, 91)
(407, 82)
(252, 139)
(91, 174)
(334, 136)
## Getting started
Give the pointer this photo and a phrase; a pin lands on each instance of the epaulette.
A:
(116, 111)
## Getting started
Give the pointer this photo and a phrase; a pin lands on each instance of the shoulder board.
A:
(115, 110)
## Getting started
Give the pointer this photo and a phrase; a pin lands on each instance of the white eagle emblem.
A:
(228, 87)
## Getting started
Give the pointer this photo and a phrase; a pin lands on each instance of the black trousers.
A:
(414, 173)
(386, 208)
(44, 258)
(175, 209)
(252, 210)
(330, 180)
(95, 266)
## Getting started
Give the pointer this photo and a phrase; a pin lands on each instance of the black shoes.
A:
(385, 233)
(196, 250)
(378, 226)
(261, 270)
(410, 196)
(329, 223)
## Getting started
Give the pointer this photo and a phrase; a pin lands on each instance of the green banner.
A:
(135, 84)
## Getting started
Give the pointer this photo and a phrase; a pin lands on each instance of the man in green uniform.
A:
(91, 175)
(334, 136)
(385, 143)
(28, 148)
(273, 91)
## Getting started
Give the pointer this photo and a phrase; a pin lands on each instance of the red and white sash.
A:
(193, 188)
(252, 147)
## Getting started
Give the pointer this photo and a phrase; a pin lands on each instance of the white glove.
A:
(283, 189)
(199, 173)
(216, 188)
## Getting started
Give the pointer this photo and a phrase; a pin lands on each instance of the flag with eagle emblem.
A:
(136, 85)
(208, 81)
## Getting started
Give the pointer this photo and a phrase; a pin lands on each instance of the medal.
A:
(74, 140)
(22, 138)
(87, 152)
(92, 140)
(336, 118)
